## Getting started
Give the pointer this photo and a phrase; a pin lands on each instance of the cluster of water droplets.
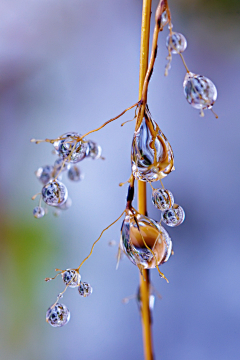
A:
(70, 151)
(58, 314)
(172, 214)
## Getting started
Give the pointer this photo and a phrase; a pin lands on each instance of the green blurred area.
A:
(218, 7)
(27, 249)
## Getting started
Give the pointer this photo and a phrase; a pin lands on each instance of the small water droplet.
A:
(176, 43)
(66, 205)
(162, 199)
(74, 173)
(173, 217)
(93, 151)
(85, 289)
(164, 19)
(199, 91)
(38, 212)
(44, 174)
(58, 166)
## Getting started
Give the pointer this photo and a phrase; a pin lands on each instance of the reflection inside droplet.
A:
(145, 242)
(152, 155)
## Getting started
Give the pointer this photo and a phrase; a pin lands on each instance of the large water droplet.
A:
(58, 315)
(138, 231)
(65, 143)
(71, 278)
(152, 155)
(199, 91)
(54, 193)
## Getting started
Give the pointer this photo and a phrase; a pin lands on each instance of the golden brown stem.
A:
(144, 285)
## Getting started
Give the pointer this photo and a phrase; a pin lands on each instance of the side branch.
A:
(107, 122)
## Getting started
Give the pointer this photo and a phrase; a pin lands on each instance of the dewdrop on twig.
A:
(71, 278)
(174, 216)
(38, 212)
(54, 193)
(199, 91)
(85, 289)
(58, 315)
(162, 199)
(176, 43)
(152, 155)
(68, 142)
(145, 242)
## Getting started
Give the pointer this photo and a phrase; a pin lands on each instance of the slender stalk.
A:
(142, 206)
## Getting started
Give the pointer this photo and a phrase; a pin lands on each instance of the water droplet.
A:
(152, 155)
(44, 174)
(176, 43)
(58, 165)
(58, 315)
(199, 91)
(137, 229)
(38, 212)
(65, 144)
(162, 199)
(164, 19)
(85, 289)
(139, 300)
(71, 277)
(54, 193)
(74, 173)
(173, 217)
(93, 150)
(65, 205)
(56, 212)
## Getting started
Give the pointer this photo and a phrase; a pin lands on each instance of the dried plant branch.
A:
(144, 278)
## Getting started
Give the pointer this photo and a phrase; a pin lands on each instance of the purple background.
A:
(70, 66)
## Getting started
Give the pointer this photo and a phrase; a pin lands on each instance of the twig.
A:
(144, 278)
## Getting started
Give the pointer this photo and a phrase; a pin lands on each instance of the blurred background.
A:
(70, 66)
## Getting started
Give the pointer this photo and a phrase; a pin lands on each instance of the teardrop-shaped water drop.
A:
(152, 155)
(145, 242)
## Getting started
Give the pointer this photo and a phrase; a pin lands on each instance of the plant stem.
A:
(142, 207)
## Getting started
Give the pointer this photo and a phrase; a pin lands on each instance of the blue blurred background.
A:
(70, 66)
